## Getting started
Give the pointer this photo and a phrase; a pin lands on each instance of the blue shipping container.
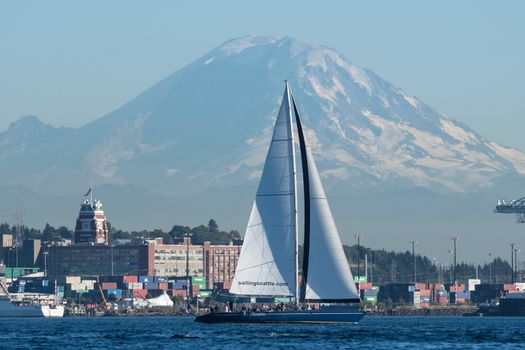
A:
(116, 292)
(369, 293)
(151, 285)
(145, 279)
(465, 294)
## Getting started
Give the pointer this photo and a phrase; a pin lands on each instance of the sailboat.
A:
(268, 262)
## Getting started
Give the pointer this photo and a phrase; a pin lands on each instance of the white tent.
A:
(162, 300)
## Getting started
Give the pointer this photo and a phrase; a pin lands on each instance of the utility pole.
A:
(512, 261)
(45, 263)
(441, 277)
(17, 242)
(188, 289)
(450, 267)
(366, 266)
(455, 238)
(358, 257)
(414, 256)
(371, 266)
(516, 251)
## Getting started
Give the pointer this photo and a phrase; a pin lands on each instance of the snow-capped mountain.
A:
(208, 125)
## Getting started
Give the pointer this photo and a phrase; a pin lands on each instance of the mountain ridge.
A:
(191, 148)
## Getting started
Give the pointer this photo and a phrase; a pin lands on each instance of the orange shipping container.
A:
(509, 287)
(163, 285)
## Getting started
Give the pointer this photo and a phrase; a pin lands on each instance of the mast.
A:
(306, 189)
(296, 218)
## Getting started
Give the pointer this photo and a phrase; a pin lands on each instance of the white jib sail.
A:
(329, 275)
(266, 265)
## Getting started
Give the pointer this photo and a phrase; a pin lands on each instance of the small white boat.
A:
(27, 307)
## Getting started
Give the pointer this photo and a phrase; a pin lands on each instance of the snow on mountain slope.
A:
(209, 125)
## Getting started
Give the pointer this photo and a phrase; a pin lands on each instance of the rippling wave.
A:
(182, 333)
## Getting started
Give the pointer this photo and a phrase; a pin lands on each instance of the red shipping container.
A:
(130, 279)
(442, 301)
(195, 290)
(178, 293)
(425, 293)
(140, 293)
(436, 286)
(163, 285)
(109, 285)
(365, 286)
(458, 288)
(421, 286)
(509, 287)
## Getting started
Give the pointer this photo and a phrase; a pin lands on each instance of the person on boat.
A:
(226, 308)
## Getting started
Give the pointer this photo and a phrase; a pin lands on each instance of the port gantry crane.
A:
(517, 206)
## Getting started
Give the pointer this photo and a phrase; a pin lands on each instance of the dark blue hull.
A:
(305, 316)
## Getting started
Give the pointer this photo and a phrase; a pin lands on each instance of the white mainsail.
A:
(267, 263)
(328, 275)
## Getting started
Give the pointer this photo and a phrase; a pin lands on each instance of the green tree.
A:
(212, 226)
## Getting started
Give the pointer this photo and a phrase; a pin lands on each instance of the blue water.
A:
(181, 333)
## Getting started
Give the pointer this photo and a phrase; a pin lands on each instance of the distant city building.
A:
(97, 260)
(6, 242)
(29, 253)
(170, 259)
(216, 263)
(91, 226)
(220, 262)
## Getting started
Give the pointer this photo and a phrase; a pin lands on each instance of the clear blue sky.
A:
(70, 62)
